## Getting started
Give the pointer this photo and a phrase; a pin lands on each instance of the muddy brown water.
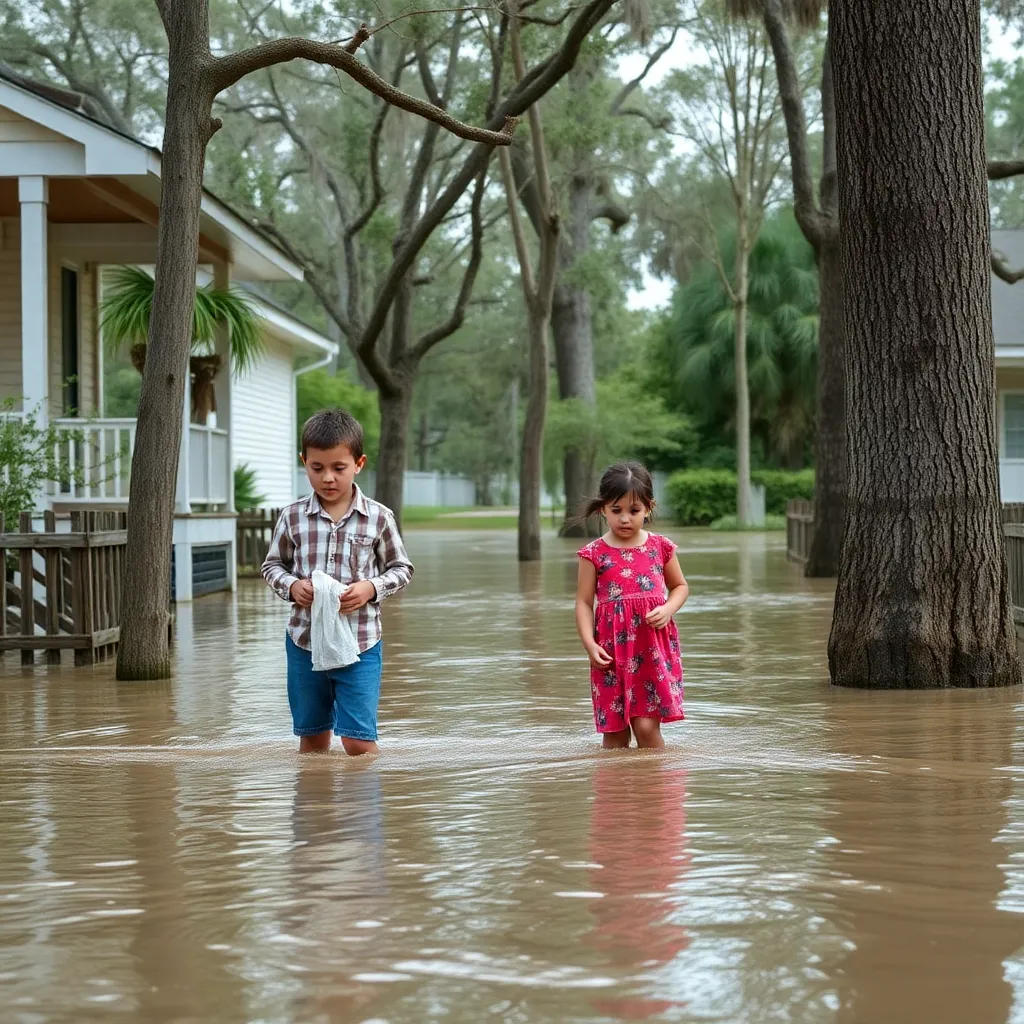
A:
(798, 854)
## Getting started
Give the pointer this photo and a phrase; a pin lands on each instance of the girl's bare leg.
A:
(648, 733)
(318, 744)
(616, 740)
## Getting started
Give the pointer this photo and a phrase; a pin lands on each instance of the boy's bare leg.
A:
(316, 744)
(616, 740)
(354, 748)
(648, 733)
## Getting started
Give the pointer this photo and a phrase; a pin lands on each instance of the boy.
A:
(339, 530)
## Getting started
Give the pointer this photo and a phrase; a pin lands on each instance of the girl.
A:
(636, 675)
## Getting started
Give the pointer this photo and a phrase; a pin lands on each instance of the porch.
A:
(76, 196)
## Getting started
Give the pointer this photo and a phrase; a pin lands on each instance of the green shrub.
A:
(781, 485)
(246, 493)
(699, 497)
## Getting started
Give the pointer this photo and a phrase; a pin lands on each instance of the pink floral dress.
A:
(645, 679)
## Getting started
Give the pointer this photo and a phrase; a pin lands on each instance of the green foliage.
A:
(246, 494)
(780, 487)
(699, 497)
(782, 344)
(629, 421)
(30, 458)
(1004, 129)
(319, 389)
(121, 389)
(128, 304)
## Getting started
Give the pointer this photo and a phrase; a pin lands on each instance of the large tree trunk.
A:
(573, 332)
(395, 410)
(922, 593)
(830, 438)
(531, 460)
(143, 651)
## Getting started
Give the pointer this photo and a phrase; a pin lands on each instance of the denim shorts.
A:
(344, 699)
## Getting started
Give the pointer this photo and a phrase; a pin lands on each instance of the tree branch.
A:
(627, 90)
(455, 321)
(539, 81)
(1003, 271)
(226, 71)
(998, 170)
(659, 124)
(805, 205)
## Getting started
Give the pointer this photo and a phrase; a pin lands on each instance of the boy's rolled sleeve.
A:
(392, 559)
(280, 561)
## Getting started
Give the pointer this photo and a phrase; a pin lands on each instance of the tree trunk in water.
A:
(573, 332)
(742, 384)
(143, 650)
(395, 410)
(922, 594)
(830, 439)
(531, 459)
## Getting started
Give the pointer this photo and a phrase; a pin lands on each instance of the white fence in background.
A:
(438, 490)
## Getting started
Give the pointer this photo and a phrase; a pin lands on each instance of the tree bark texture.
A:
(395, 411)
(531, 461)
(922, 594)
(143, 650)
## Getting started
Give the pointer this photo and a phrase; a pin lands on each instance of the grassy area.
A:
(729, 524)
(444, 518)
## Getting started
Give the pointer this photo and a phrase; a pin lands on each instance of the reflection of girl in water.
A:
(638, 837)
(636, 674)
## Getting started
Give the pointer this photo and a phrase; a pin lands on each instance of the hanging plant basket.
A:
(137, 354)
(204, 370)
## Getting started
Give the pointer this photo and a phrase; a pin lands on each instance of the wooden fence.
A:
(799, 528)
(800, 523)
(62, 590)
(254, 531)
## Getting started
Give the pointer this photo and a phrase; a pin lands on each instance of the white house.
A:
(1008, 328)
(76, 195)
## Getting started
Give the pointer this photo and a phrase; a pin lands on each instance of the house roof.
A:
(108, 152)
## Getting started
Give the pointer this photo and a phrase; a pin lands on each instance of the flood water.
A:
(797, 854)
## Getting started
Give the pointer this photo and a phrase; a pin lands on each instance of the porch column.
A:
(33, 194)
(224, 390)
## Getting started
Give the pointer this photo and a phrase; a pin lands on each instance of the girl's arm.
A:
(678, 592)
(585, 587)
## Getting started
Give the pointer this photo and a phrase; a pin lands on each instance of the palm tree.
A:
(124, 318)
(782, 341)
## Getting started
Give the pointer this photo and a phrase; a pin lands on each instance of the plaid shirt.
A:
(363, 545)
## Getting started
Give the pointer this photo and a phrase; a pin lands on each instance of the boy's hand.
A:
(659, 617)
(302, 593)
(356, 596)
(599, 657)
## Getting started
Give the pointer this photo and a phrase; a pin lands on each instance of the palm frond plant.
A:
(124, 319)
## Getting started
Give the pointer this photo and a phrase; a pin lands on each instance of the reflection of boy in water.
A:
(638, 837)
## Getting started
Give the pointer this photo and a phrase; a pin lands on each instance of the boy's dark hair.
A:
(618, 481)
(331, 427)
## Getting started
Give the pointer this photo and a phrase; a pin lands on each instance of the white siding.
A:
(263, 424)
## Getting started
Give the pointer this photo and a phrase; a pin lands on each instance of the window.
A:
(1013, 426)
(69, 339)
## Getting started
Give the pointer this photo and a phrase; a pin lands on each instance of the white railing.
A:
(96, 456)
(209, 465)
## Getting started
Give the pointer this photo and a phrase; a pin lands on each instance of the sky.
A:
(656, 292)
